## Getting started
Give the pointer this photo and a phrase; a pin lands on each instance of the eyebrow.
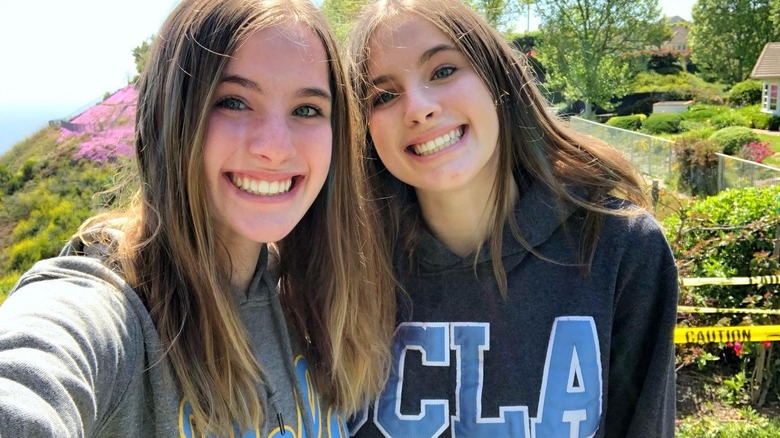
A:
(425, 57)
(254, 86)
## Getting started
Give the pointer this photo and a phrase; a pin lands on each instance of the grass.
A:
(774, 142)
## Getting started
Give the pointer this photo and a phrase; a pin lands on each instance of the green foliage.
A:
(731, 139)
(727, 235)
(731, 234)
(662, 123)
(727, 36)
(632, 122)
(584, 42)
(750, 425)
(141, 55)
(697, 166)
(774, 123)
(747, 92)
(730, 118)
(757, 119)
(680, 86)
(703, 112)
(341, 13)
(49, 195)
(500, 14)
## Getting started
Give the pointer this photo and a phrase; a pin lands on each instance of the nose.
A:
(421, 106)
(271, 139)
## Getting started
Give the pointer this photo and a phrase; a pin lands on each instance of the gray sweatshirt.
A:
(80, 357)
(564, 354)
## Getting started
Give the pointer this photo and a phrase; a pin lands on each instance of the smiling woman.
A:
(242, 259)
(542, 295)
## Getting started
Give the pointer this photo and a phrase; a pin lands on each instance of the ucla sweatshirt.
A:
(567, 353)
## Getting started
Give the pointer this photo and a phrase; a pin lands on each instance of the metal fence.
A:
(654, 157)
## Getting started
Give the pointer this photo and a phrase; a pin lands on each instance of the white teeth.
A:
(261, 187)
(439, 143)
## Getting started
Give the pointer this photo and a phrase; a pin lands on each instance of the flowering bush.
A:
(108, 127)
(755, 151)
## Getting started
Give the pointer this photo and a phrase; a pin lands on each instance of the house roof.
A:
(768, 64)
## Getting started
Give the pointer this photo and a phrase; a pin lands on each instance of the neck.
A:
(460, 219)
(243, 263)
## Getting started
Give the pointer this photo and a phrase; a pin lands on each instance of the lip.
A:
(430, 135)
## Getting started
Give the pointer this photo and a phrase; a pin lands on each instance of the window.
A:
(769, 100)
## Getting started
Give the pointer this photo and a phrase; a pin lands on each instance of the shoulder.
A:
(77, 294)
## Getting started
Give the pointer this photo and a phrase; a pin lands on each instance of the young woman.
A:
(543, 296)
(165, 320)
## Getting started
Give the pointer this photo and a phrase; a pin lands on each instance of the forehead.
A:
(407, 33)
(284, 40)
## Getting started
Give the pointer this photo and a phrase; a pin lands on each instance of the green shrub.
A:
(631, 123)
(682, 86)
(757, 118)
(702, 112)
(731, 118)
(747, 92)
(731, 234)
(731, 139)
(774, 123)
(642, 106)
(700, 131)
(662, 123)
(697, 165)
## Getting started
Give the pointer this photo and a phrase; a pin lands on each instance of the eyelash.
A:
(317, 111)
(235, 104)
(229, 103)
(450, 69)
(384, 97)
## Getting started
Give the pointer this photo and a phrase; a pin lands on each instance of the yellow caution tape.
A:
(693, 309)
(733, 281)
(704, 335)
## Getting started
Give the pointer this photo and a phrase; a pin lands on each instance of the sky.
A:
(61, 56)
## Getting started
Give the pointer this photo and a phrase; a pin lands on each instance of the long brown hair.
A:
(533, 145)
(335, 280)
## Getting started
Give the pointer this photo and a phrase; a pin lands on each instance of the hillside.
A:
(49, 181)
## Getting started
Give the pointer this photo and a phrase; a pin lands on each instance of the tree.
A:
(341, 14)
(727, 36)
(500, 14)
(140, 55)
(585, 42)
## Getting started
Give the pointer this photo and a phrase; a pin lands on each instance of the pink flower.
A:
(756, 151)
(767, 344)
(738, 348)
(107, 127)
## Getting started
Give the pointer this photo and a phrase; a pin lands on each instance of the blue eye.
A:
(232, 104)
(384, 97)
(443, 72)
(306, 111)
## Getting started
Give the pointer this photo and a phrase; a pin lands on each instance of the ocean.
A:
(17, 123)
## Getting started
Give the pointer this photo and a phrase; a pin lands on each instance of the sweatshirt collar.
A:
(538, 213)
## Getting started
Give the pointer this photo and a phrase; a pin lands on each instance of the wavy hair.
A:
(533, 146)
(336, 284)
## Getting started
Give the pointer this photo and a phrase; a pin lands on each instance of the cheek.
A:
(381, 133)
(318, 144)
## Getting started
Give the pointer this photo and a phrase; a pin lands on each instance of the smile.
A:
(261, 187)
(439, 143)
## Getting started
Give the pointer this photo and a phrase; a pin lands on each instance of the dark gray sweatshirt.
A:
(564, 355)
(80, 357)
